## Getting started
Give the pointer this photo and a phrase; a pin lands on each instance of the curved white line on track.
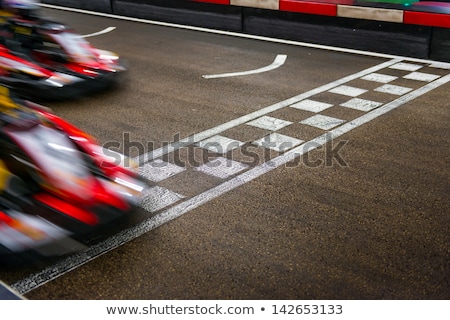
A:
(278, 62)
(106, 30)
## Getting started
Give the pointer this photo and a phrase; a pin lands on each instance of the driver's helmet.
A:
(24, 8)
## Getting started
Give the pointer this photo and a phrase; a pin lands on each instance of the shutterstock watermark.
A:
(190, 153)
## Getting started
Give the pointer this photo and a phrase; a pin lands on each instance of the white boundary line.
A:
(238, 35)
(81, 258)
(278, 62)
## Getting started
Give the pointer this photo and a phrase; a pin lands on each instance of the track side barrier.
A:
(104, 6)
(414, 33)
(222, 17)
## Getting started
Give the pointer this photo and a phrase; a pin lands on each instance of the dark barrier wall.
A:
(183, 12)
(384, 37)
(425, 41)
(94, 5)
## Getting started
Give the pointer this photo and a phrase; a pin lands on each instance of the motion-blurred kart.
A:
(55, 180)
(42, 59)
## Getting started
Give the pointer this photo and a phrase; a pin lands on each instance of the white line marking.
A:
(278, 62)
(106, 30)
(239, 35)
(75, 261)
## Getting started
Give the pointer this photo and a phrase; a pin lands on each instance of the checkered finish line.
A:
(346, 9)
(206, 160)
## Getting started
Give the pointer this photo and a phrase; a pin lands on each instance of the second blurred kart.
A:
(43, 59)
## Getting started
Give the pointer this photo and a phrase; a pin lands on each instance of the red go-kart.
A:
(42, 59)
(55, 180)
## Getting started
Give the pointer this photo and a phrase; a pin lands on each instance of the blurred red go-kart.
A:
(43, 59)
(55, 179)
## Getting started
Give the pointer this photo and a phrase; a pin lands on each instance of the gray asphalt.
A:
(364, 218)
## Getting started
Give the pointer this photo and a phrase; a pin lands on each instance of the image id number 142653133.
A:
(307, 309)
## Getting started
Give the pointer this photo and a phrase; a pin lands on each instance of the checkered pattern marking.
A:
(317, 111)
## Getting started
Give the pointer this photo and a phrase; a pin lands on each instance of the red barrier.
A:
(427, 19)
(227, 2)
(325, 9)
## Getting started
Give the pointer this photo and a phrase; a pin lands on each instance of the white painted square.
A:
(278, 142)
(311, 105)
(440, 65)
(157, 198)
(263, 4)
(348, 91)
(420, 76)
(269, 123)
(222, 167)
(378, 77)
(406, 66)
(391, 89)
(159, 170)
(322, 122)
(220, 144)
(361, 104)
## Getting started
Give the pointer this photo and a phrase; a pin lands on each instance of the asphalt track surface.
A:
(350, 200)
